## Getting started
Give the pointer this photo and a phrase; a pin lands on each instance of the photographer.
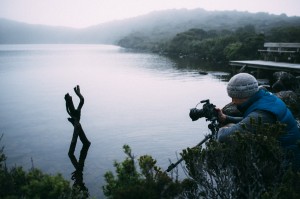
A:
(256, 103)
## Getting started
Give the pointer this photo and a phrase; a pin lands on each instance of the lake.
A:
(134, 98)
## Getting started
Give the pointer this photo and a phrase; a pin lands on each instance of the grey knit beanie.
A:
(242, 85)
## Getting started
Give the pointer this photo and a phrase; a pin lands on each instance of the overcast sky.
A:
(83, 13)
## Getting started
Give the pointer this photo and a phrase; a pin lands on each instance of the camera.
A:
(208, 111)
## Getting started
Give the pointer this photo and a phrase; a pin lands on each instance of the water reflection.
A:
(176, 66)
(201, 67)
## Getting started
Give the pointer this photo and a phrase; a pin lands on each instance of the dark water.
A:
(139, 99)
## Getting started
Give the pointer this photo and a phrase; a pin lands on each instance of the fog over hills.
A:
(158, 25)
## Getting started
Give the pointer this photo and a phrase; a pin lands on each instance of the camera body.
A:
(208, 111)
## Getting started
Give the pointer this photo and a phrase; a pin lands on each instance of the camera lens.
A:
(195, 114)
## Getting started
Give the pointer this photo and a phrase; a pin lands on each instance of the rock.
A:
(284, 81)
(203, 72)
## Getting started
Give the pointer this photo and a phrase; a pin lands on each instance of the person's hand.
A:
(221, 115)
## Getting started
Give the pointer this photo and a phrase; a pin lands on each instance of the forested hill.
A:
(158, 26)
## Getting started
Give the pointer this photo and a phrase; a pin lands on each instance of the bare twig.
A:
(75, 114)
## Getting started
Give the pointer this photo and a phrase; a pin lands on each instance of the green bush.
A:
(150, 182)
(250, 165)
(16, 183)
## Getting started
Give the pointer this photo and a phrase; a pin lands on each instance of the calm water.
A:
(131, 98)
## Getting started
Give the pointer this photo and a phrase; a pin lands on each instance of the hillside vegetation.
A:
(152, 28)
(218, 46)
(222, 37)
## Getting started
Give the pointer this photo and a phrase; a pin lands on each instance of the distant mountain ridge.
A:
(158, 25)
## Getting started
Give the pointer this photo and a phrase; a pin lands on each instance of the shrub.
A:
(150, 183)
(17, 183)
(250, 165)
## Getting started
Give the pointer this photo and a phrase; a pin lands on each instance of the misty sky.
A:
(83, 13)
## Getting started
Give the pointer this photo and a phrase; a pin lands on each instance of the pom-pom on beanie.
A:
(242, 85)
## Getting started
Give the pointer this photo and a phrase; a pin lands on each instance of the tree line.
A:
(215, 45)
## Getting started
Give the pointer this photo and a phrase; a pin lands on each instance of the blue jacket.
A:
(270, 109)
(266, 101)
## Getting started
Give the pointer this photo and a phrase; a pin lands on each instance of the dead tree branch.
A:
(74, 118)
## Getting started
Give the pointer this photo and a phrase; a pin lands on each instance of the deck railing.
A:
(277, 51)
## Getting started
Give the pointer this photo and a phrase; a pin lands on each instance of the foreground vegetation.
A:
(17, 183)
(250, 166)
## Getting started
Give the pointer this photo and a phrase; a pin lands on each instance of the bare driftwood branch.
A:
(74, 118)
